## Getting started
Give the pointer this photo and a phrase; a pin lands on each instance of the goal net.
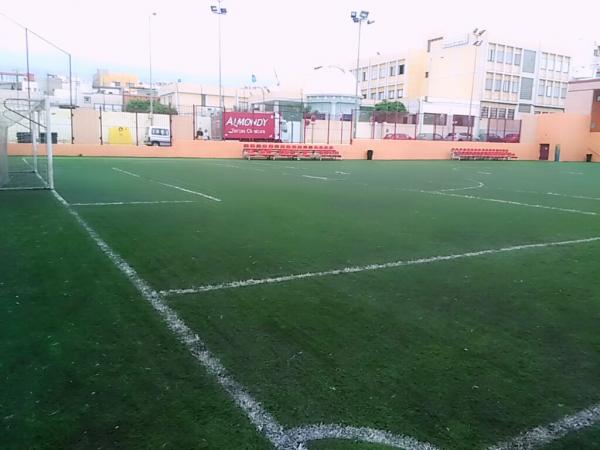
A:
(28, 164)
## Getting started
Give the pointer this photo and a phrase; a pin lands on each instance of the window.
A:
(544, 61)
(392, 71)
(364, 76)
(426, 74)
(380, 95)
(524, 108)
(373, 95)
(87, 99)
(517, 58)
(526, 88)
(401, 69)
(549, 89)
(492, 53)
(373, 73)
(493, 113)
(510, 114)
(485, 112)
(364, 96)
(559, 63)
(509, 56)
(529, 57)
(542, 88)
(400, 93)
(506, 85)
(563, 91)
(566, 65)
(498, 84)
(391, 94)
(556, 90)
(515, 85)
(489, 82)
(500, 55)
(551, 62)
(117, 84)
(502, 113)
(382, 72)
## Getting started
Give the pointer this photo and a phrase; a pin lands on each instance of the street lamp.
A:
(220, 11)
(150, 66)
(359, 18)
(477, 35)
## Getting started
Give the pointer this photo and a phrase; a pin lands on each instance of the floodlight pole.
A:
(359, 18)
(220, 11)
(150, 66)
(477, 43)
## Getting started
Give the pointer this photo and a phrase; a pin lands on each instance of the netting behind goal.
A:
(27, 165)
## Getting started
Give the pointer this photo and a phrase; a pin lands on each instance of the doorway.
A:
(544, 152)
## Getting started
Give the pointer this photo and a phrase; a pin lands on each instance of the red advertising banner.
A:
(249, 125)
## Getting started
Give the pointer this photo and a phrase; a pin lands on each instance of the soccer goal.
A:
(26, 122)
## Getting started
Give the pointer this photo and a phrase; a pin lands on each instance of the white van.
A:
(157, 136)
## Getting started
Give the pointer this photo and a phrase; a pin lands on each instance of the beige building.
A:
(497, 79)
(106, 79)
(183, 96)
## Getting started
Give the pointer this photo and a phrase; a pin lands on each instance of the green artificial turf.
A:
(85, 363)
(461, 354)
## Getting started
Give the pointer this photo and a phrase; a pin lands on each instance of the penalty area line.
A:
(161, 202)
(371, 267)
(172, 186)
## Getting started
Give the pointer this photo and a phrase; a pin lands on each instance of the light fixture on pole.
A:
(359, 18)
(150, 66)
(477, 35)
(220, 11)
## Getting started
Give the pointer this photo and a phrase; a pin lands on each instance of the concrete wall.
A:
(570, 131)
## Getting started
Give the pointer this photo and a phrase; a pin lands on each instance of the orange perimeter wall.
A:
(570, 131)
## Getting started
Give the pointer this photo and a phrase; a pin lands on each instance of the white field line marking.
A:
(342, 173)
(215, 199)
(189, 191)
(127, 173)
(507, 202)
(37, 174)
(479, 186)
(264, 422)
(484, 173)
(259, 417)
(291, 167)
(304, 435)
(580, 197)
(540, 436)
(160, 202)
(574, 173)
(371, 267)
(315, 178)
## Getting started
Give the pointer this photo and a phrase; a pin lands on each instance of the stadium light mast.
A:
(477, 36)
(220, 11)
(150, 67)
(359, 18)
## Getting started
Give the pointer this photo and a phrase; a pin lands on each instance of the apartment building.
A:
(388, 77)
(463, 76)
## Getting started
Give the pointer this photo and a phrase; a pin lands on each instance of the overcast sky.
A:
(260, 36)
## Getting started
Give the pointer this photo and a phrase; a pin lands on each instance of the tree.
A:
(143, 106)
(390, 106)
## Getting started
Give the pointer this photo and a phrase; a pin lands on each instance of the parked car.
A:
(398, 136)
(430, 137)
(459, 137)
(157, 136)
(490, 137)
(512, 138)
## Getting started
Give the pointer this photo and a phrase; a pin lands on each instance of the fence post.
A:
(137, 131)
(101, 137)
(195, 133)
(329, 126)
